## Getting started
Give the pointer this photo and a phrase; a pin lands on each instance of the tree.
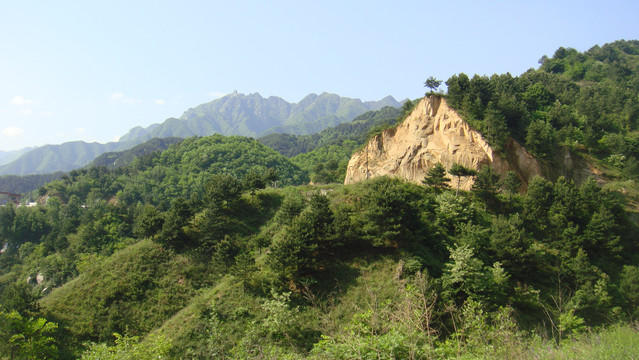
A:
(254, 180)
(600, 235)
(495, 127)
(540, 138)
(271, 176)
(296, 253)
(510, 184)
(244, 268)
(537, 203)
(292, 256)
(460, 171)
(176, 219)
(463, 275)
(408, 105)
(326, 173)
(436, 177)
(432, 84)
(26, 338)
(510, 245)
(222, 190)
(148, 223)
(457, 89)
(487, 180)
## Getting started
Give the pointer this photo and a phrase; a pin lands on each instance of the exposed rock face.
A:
(434, 133)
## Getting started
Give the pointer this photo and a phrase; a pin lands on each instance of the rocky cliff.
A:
(434, 133)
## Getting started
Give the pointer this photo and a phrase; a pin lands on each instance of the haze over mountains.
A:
(234, 114)
(8, 156)
(254, 115)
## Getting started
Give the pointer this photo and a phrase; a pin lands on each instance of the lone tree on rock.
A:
(460, 171)
(432, 84)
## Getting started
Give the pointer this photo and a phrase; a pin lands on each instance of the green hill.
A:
(121, 158)
(27, 183)
(234, 114)
(217, 247)
(587, 102)
(325, 155)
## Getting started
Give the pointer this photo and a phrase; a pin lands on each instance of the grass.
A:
(616, 342)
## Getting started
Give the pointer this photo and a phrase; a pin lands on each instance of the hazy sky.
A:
(91, 70)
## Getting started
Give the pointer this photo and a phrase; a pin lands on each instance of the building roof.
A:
(8, 193)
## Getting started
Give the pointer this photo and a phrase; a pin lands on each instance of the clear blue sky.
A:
(91, 70)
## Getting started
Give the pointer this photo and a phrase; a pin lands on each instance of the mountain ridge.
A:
(234, 114)
(53, 158)
(253, 115)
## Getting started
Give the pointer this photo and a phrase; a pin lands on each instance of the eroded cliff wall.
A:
(434, 133)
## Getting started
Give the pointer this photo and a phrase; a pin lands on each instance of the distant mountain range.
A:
(52, 158)
(8, 156)
(234, 114)
(253, 115)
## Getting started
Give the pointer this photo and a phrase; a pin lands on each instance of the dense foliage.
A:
(213, 249)
(121, 158)
(27, 183)
(356, 130)
(586, 102)
(325, 155)
(380, 267)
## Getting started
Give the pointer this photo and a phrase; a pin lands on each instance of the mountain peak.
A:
(254, 115)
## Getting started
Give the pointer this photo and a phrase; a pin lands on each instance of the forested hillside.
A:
(324, 155)
(27, 183)
(218, 247)
(587, 102)
(234, 114)
(121, 158)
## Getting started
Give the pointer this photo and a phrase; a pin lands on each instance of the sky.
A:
(92, 70)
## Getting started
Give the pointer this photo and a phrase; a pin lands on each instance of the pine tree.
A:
(436, 177)
(460, 171)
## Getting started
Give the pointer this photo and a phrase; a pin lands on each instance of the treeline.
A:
(586, 102)
(27, 183)
(116, 159)
(325, 155)
(213, 248)
(292, 145)
(94, 210)
(378, 267)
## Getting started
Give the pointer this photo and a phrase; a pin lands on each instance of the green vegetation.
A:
(432, 84)
(587, 102)
(325, 155)
(436, 177)
(379, 268)
(125, 157)
(218, 248)
(25, 184)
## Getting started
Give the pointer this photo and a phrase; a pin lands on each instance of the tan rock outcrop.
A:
(434, 133)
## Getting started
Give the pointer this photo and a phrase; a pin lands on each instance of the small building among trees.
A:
(6, 197)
